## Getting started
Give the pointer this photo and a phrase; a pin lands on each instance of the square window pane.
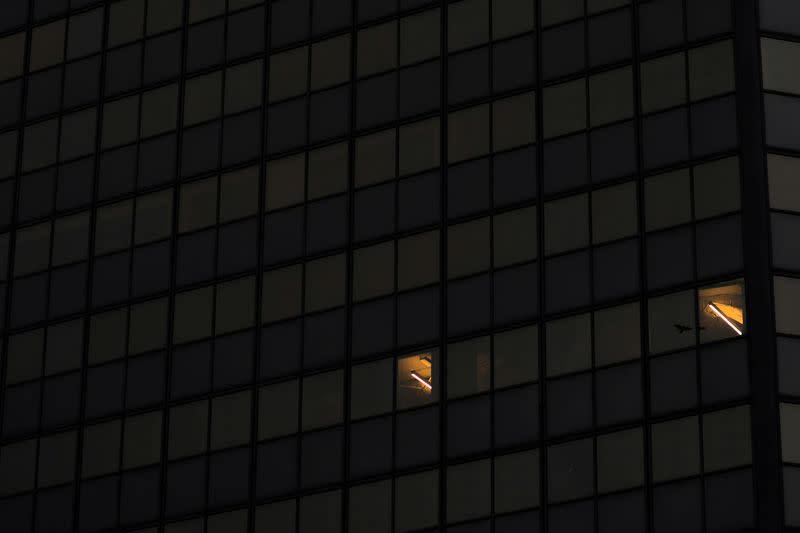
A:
(419, 37)
(377, 48)
(711, 70)
(564, 108)
(101, 445)
(676, 449)
(159, 110)
(418, 260)
(373, 271)
(468, 248)
(468, 133)
(375, 158)
(716, 188)
(107, 336)
(617, 334)
(24, 360)
(778, 58)
(325, 283)
(330, 62)
(515, 237)
(614, 213)
(566, 224)
(419, 146)
(467, 24)
(667, 200)
(230, 420)
(570, 470)
(243, 85)
(235, 305)
(238, 194)
(153, 217)
(371, 389)
(163, 15)
(188, 425)
(620, 460)
(569, 343)
(790, 432)
(555, 11)
(516, 356)
(193, 315)
(663, 82)
(516, 481)
(328, 170)
(147, 329)
(113, 227)
(281, 293)
(285, 181)
(416, 501)
(32, 249)
(468, 367)
(469, 490)
(202, 98)
(323, 398)
(611, 96)
(277, 517)
(142, 440)
(288, 73)
(511, 17)
(672, 322)
(198, 205)
(371, 508)
(47, 45)
(727, 439)
(784, 182)
(513, 122)
(278, 409)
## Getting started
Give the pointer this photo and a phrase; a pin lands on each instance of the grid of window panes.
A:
(327, 266)
(780, 50)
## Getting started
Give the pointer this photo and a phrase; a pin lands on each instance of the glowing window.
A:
(417, 379)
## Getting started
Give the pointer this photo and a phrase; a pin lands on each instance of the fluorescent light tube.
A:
(717, 311)
(422, 380)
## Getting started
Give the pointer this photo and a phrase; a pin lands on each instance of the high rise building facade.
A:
(395, 266)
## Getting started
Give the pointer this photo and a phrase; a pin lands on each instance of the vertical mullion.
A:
(169, 351)
(215, 286)
(349, 273)
(540, 222)
(395, 295)
(261, 218)
(590, 250)
(129, 296)
(761, 337)
(89, 275)
(492, 303)
(642, 264)
(444, 172)
(301, 377)
(695, 322)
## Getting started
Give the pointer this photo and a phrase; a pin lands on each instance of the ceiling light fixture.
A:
(422, 380)
(717, 311)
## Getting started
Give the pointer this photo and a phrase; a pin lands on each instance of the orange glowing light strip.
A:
(422, 380)
(716, 310)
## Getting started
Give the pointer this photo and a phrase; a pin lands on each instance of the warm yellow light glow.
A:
(717, 311)
(425, 359)
(422, 380)
(731, 311)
